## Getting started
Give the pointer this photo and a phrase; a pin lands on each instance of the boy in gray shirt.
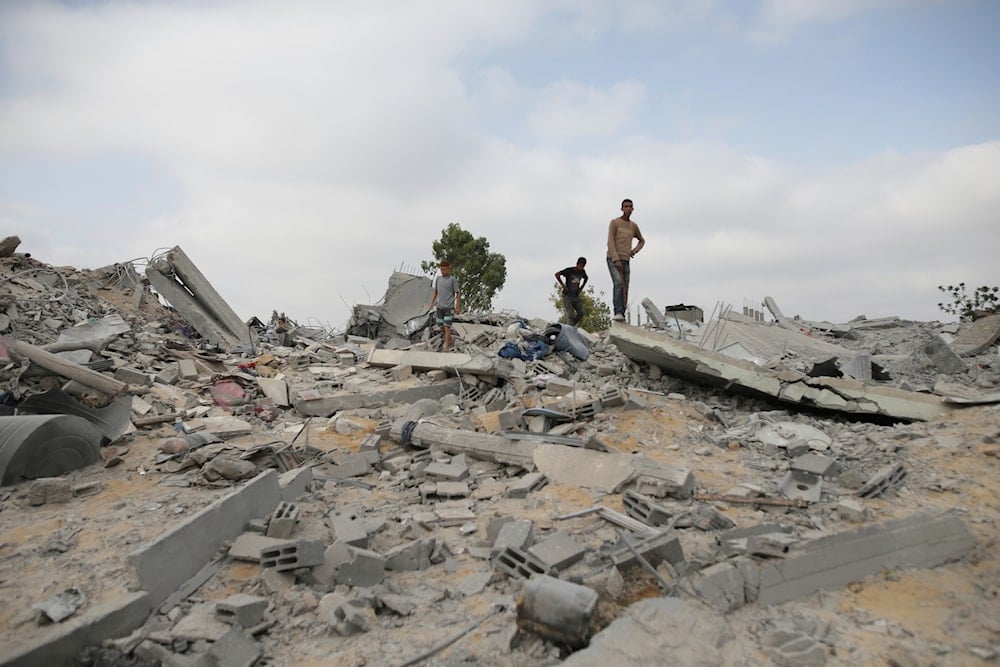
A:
(445, 302)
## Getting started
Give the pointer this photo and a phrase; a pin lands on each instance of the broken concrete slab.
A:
(452, 362)
(833, 561)
(697, 364)
(604, 471)
(977, 336)
(408, 391)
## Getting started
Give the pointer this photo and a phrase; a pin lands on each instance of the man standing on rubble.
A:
(445, 301)
(621, 231)
(573, 279)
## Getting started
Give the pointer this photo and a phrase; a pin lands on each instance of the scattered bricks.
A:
(400, 372)
(883, 480)
(558, 551)
(168, 375)
(348, 528)
(636, 401)
(612, 397)
(519, 564)
(645, 509)
(851, 510)
(50, 490)
(446, 471)
(292, 555)
(371, 443)
(295, 483)
(283, 520)
(249, 545)
(517, 534)
(522, 486)
(187, 369)
(412, 556)
(351, 465)
(133, 376)
(511, 420)
(801, 485)
(242, 609)
(817, 464)
(655, 549)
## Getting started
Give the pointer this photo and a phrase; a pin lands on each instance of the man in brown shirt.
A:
(621, 231)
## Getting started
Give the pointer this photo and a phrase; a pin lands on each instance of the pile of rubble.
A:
(181, 487)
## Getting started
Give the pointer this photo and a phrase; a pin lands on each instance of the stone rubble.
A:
(460, 482)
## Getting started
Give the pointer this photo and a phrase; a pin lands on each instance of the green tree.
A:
(596, 312)
(479, 272)
(967, 306)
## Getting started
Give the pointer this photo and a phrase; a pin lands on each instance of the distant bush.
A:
(982, 300)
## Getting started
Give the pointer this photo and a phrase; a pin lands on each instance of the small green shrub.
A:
(965, 305)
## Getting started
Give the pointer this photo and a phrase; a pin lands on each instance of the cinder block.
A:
(249, 545)
(283, 520)
(133, 376)
(415, 555)
(187, 369)
(168, 375)
(612, 397)
(558, 551)
(361, 568)
(446, 471)
(518, 534)
(522, 486)
(655, 549)
(293, 555)
(371, 443)
(242, 609)
(520, 564)
(351, 465)
(645, 509)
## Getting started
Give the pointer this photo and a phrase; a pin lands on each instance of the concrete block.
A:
(816, 464)
(400, 372)
(295, 483)
(522, 486)
(612, 397)
(348, 527)
(50, 490)
(414, 555)
(242, 609)
(372, 442)
(655, 549)
(293, 555)
(235, 649)
(446, 471)
(883, 480)
(249, 545)
(356, 567)
(449, 490)
(558, 551)
(645, 509)
(168, 375)
(511, 420)
(851, 510)
(797, 484)
(351, 465)
(133, 376)
(520, 564)
(283, 520)
(161, 566)
(942, 356)
(518, 534)
(917, 541)
(663, 480)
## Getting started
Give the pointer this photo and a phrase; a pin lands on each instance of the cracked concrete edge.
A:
(834, 394)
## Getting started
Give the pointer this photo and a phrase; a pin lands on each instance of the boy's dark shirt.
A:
(573, 277)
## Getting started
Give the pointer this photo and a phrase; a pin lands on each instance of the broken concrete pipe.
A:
(557, 610)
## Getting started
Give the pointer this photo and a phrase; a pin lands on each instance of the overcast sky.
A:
(842, 156)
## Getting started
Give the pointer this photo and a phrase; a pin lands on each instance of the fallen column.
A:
(66, 368)
(183, 285)
(485, 446)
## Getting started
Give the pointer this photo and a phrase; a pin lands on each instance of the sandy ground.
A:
(946, 616)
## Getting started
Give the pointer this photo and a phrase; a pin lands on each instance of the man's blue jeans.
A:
(618, 282)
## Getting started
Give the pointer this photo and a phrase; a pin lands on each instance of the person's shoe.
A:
(619, 318)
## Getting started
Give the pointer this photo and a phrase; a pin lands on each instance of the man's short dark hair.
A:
(626, 201)
(581, 260)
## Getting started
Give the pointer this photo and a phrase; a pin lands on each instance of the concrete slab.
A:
(408, 391)
(584, 467)
(462, 362)
(977, 336)
(691, 362)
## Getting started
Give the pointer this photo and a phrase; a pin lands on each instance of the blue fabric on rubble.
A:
(529, 351)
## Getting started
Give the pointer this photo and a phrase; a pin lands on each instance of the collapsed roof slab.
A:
(693, 363)
(180, 282)
(400, 392)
